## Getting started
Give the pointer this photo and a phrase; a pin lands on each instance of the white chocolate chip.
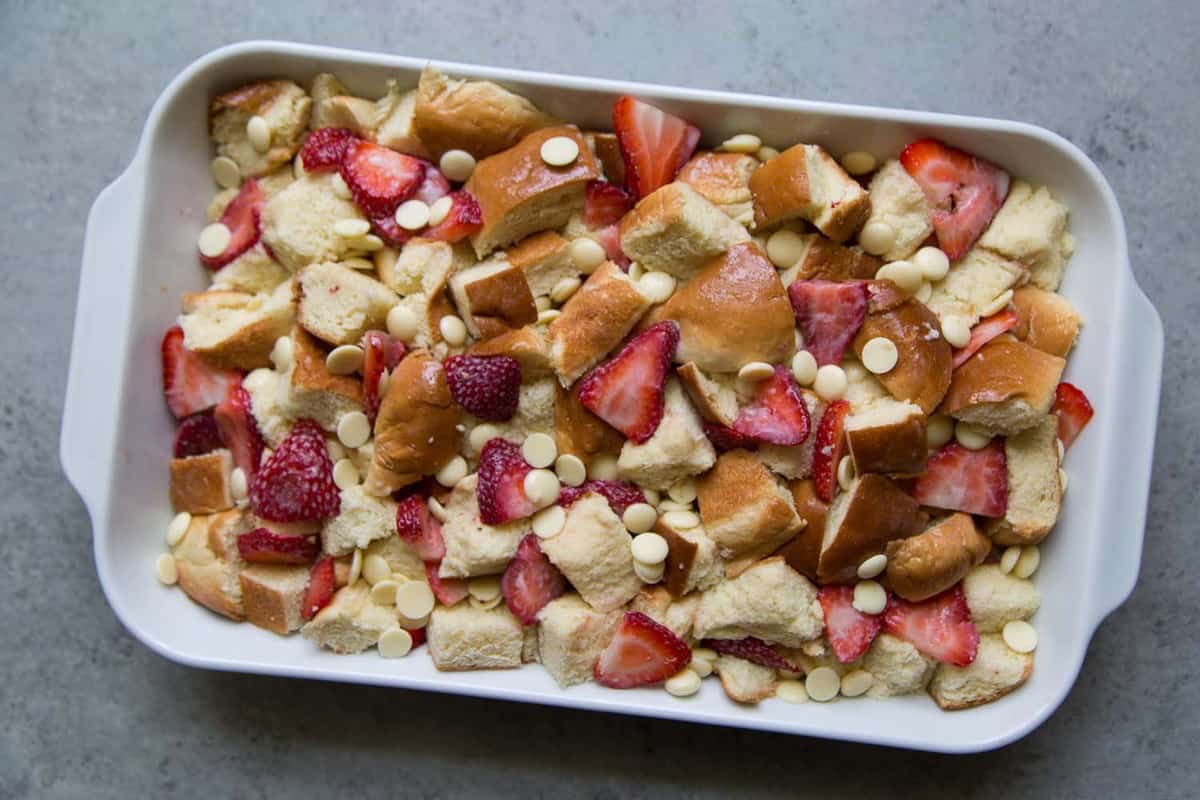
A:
(683, 492)
(1062, 480)
(924, 293)
(586, 254)
(822, 684)
(639, 518)
(684, 683)
(454, 471)
(370, 243)
(281, 353)
(1020, 636)
(414, 600)
(657, 287)
(345, 359)
(859, 162)
(481, 435)
(559, 151)
(562, 291)
(648, 548)
(649, 573)
(766, 153)
(670, 505)
(785, 248)
(549, 522)
(804, 368)
(356, 567)
(1008, 560)
(226, 172)
(484, 605)
(166, 569)
(395, 643)
(830, 383)
(856, 682)
(541, 487)
(353, 429)
(1060, 449)
(412, 215)
(485, 588)
(259, 133)
(345, 474)
(178, 527)
(239, 487)
(970, 436)
(570, 469)
(904, 274)
(383, 593)
(339, 187)
(939, 430)
(603, 468)
(635, 272)
(791, 691)
(746, 143)
(402, 323)
(548, 316)
(872, 567)
(351, 228)
(1028, 563)
(956, 331)
(997, 305)
(681, 520)
(933, 263)
(453, 330)
(877, 237)
(702, 664)
(335, 450)
(213, 240)
(652, 496)
(385, 378)
(437, 509)
(846, 473)
(457, 165)
(375, 569)
(542, 303)
(539, 450)
(361, 264)
(755, 371)
(439, 210)
(880, 355)
(869, 597)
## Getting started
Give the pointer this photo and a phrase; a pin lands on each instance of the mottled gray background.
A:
(88, 712)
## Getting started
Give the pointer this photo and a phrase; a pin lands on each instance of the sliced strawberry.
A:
(627, 391)
(434, 186)
(448, 591)
(609, 238)
(415, 525)
(263, 546)
(189, 384)
(829, 314)
(296, 482)
(654, 144)
(751, 649)
(530, 581)
(619, 494)
(778, 414)
(464, 218)
(501, 487)
(239, 429)
(958, 479)
(849, 631)
(939, 627)
(241, 218)
(827, 450)
(1073, 410)
(385, 227)
(380, 351)
(380, 179)
(197, 435)
(641, 652)
(984, 331)
(964, 190)
(325, 148)
(725, 439)
(321, 580)
(604, 203)
(418, 634)
(486, 386)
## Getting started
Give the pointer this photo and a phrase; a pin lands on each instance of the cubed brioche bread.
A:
(234, 330)
(579, 432)
(593, 553)
(281, 104)
(200, 484)
(674, 229)
(806, 182)
(570, 636)
(770, 601)
(355, 114)
(888, 437)
(1034, 488)
(925, 360)
(825, 260)
(996, 671)
(677, 614)
(338, 304)
(744, 681)
(1046, 320)
(472, 546)
(297, 224)
(594, 321)
(935, 559)
(208, 563)
(400, 556)
(743, 508)
(803, 552)
(713, 396)
(530, 653)
(733, 311)
(395, 126)
(863, 390)
(493, 298)
(545, 260)
(860, 523)
(527, 345)
(421, 266)
(253, 272)
(607, 149)
(351, 622)
(677, 450)
(897, 667)
(996, 598)
(480, 117)
(1031, 227)
(973, 284)
(692, 561)
(362, 519)
(463, 637)
(520, 194)
(1005, 388)
(273, 595)
(724, 180)
(325, 85)
(269, 391)
(793, 462)
(313, 391)
(898, 201)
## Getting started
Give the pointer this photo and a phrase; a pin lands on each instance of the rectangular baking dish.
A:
(139, 257)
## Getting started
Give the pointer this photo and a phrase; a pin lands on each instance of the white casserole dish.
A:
(139, 257)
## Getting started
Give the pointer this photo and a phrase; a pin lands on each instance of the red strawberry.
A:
(751, 649)
(958, 479)
(380, 351)
(965, 191)
(415, 525)
(325, 148)
(829, 314)
(849, 631)
(641, 652)
(380, 179)
(385, 227)
(619, 494)
(725, 439)
(433, 188)
(1073, 410)
(986, 330)
(827, 450)
(627, 391)
(320, 587)
(263, 546)
(418, 635)
(939, 627)
(197, 435)
(448, 591)
(465, 217)
(609, 238)
(486, 386)
(604, 204)
(189, 384)
(778, 414)
(241, 218)
(296, 482)
(239, 429)
(530, 581)
(501, 487)
(654, 144)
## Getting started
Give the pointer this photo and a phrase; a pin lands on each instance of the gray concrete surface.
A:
(88, 712)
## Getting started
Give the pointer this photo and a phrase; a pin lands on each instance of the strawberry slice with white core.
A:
(641, 653)
(189, 384)
(939, 627)
(464, 218)
(420, 529)
(433, 188)
(380, 179)
(627, 391)
(827, 449)
(828, 314)
(321, 580)
(1073, 410)
(448, 591)
(849, 631)
(654, 144)
(984, 331)
(501, 487)
(530, 581)
(778, 414)
(239, 429)
(609, 238)
(958, 479)
(604, 204)
(724, 438)
(751, 649)
(241, 217)
(264, 546)
(964, 190)
(380, 351)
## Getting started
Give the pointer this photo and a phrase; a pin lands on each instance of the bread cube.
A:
(1031, 227)
(313, 391)
(281, 104)
(570, 636)
(1034, 488)
(338, 304)
(545, 260)
(693, 563)
(769, 600)
(208, 562)
(472, 546)
(1046, 320)
(897, 667)
(899, 201)
(361, 520)
(352, 622)
(860, 523)
(935, 559)
(825, 260)
(200, 484)
(996, 598)
(806, 182)
(674, 613)
(724, 180)
(297, 224)
(463, 637)
(593, 552)
(676, 230)
(743, 508)
(493, 298)
(273, 596)
(677, 449)
(995, 672)
(1005, 388)
(594, 321)
(233, 330)
(973, 284)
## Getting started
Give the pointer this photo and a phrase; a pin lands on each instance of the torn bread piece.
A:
(677, 614)
(714, 396)
(1005, 388)
(1034, 488)
(897, 667)
(472, 546)
(362, 519)
(297, 224)
(395, 121)
(927, 564)
(338, 304)
(724, 180)
(924, 359)
(314, 392)
(1046, 320)
(973, 284)
(996, 598)
(570, 637)
(594, 321)
(793, 462)
(803, 552)
(200, 484)
(579, 432)
(806, 182)
(825, 260)
(254, 272)
(463, 637)
(593, 552)
(888, 437)
(545, 259)
(284, 108)
(1031, 227)
(493, 298)
(770, 601)
(273, 595)
(674, 229)
(692, 564)
(208, 562)
(996, 671)
(355, 114)
(678, 448)
(744, 508)
(898, 201)
(234, 330)
(352, 622)
(860, 523)
(744, 681)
